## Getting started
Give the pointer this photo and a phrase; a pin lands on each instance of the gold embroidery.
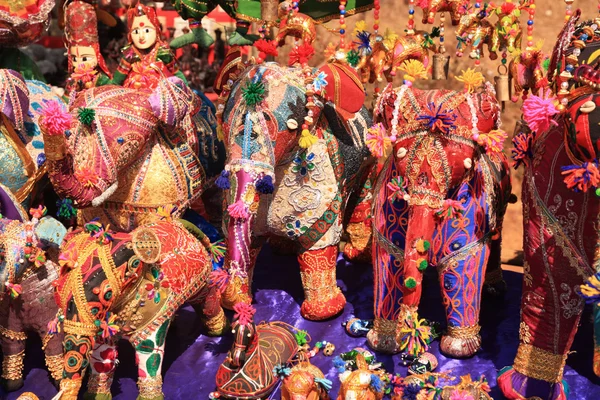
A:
(150, 387)
(463, 332)
(12, 366)
(539, 364)
(12, 334)
(524, 334)
(55, 366)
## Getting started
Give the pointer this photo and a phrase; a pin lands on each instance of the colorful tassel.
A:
(306, 139)
(14, 289)
(410, 282)
(352, 58)
(324, 382)
(376, 383)
(253, 93)
(450, 209)
(493, 141)
(39, 259)
(108, 327)
(581, 177)
(437, 120)
(397, 187)
(282, 371)
(222, 181)
(301, 337)
(54, 325)
(422, 264)
(339, 364)
(301, 54)
(415, 335)
(166, 212)
(590, 290)
(219, 278)
(238, 210)
(86, 115)
(265, 185)
(244, 313)
(65, 209)
(539, 110)
(55, 118)
(378, 142)
(266, 48)
(217, 250)
(522, 151)
(38, 212)
(422, 245)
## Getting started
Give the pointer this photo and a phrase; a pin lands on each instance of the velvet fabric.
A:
(192, 359)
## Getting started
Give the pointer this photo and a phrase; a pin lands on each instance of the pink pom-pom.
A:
(539, 110)
(244, 313)
(238, 210)
(55, 118)
(220, 279)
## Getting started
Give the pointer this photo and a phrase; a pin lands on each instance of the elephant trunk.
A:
(85, 189)
(243, 204)
(421, 225)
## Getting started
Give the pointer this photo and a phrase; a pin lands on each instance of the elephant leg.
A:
(77, 350)
(239, 288)
(494, 283)
(323, 298)
(149, 358)
(597, 339)
(53, 354)
(12, 339)
(103, 362)
(390, 219)
(359, 224)
(550, 313)
(207, 306)
(461, 283)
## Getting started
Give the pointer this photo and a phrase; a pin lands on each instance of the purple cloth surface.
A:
(7, 207)
(192, 359)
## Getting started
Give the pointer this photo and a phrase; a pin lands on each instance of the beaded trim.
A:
(55, 366)
(150, 387)
(100, 383)
(12, 366)
(464, 332)
(539, 364)
(317, 285)
(12, 334)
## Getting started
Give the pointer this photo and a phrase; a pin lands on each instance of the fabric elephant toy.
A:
(304, 381)
(528, 74)
(439, 200)
(122, 153)
(22, 153)
(454, 7)
(362, 383)
(385, 57)
(250, 369)
(28, 265)
(284, 179)
(559, 150)
(129, 285)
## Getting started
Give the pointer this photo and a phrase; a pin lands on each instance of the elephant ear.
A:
(50, 231)
(343, 86)
(172, 100)
(14, 98)
(232, 66)
(10, 207)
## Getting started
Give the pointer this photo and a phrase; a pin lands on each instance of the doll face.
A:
(143, 33)
(83, 55)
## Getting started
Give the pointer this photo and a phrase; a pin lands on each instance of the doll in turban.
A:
(147, 59)
(86, 64)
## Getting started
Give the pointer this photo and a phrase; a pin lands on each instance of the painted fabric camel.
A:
(439, 200)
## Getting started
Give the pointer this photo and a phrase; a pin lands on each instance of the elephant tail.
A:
(216, 249)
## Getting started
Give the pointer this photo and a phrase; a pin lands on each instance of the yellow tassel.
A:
(306, 139)
(220, 135)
